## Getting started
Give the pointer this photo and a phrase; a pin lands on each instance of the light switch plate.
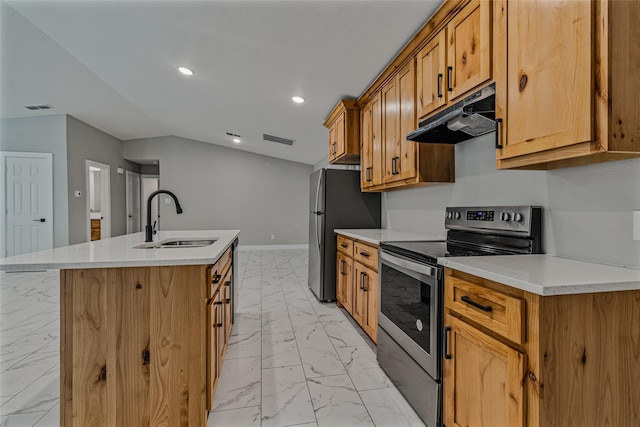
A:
(636, 225)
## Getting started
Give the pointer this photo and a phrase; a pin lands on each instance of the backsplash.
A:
(588, 209)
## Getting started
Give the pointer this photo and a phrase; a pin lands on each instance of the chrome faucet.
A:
(148, 229)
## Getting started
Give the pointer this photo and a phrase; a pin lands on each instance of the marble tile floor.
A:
(291, 360)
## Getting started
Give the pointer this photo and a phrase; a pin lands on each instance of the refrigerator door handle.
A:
(317, 211)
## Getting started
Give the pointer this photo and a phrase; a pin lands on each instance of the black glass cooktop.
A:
(429, 251)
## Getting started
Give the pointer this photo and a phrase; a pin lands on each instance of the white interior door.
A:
(133, 202)
(27, 202)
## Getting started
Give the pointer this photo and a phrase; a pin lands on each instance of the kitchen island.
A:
(143, 331)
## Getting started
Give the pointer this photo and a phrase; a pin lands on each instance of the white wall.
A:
(44, 134)
(223, 188)
(588, 209)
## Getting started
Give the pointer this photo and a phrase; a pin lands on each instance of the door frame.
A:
(105, 199)
(128, 176)
(3, 217)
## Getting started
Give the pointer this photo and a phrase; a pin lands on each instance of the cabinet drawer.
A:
(345, 245)
(494, 310)
(366, 255)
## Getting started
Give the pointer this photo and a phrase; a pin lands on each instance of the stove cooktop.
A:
(429, 251)
(421, 251)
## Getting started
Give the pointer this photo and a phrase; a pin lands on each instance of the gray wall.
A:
(223, 188)
(86, 142)
(44, 134)
(588, 209)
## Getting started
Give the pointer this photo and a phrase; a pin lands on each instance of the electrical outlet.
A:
(636, 225)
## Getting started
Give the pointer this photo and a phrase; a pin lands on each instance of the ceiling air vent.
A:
(277, 139)
(38, 107)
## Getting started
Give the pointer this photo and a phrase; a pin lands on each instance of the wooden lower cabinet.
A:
(482, 386)
(345, 282)
(365, 305)
(95, 229)
(357, 284)
(140, 346)
(566, 360)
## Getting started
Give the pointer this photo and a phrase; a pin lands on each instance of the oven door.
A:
(410, 304)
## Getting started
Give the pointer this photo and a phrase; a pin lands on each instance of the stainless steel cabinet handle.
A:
(342, 267)
(449, 79)
(365, 276)
(364, 254)
(440, 85)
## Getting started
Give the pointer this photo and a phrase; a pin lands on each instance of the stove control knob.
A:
(517, 217)
(449, 215)
(505, 216)
(456, 215)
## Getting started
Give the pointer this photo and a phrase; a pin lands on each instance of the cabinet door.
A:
(399, 118)
(359, 295)
(390, 128)
(482, 379)
(332, 142)
(469, 48)
(212, 351)
(345, 282)
(549, 81)
(371, 168)
(370, 318)
(405, 150)
(227, 306)
(430, 75)
(340, 148)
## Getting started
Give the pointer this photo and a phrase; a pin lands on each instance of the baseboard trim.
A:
(270, 247)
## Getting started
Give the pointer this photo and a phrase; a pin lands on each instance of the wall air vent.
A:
(38, 107)
(277, 139)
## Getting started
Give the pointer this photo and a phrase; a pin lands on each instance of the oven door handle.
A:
(411, 265)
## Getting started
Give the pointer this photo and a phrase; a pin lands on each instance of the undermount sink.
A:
(177, 243)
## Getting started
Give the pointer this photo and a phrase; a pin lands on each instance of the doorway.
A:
(98, 207)
(133, 202)
(27, 188)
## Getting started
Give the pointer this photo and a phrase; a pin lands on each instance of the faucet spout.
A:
(148, 229)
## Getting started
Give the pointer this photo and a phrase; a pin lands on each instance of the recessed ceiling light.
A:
(186, 71)
(298, 99)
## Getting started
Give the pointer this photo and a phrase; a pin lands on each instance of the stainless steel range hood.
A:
(473, 116)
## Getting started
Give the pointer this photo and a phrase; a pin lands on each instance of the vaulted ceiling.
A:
(113, 65)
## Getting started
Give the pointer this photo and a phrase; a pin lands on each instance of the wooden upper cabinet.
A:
(431, 70)
(469, 49)
(371, 148)
(566, 82)
(399, 118)
(344, 133)
(402, 162)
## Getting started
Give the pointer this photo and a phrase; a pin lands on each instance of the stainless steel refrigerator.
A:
(336, 202)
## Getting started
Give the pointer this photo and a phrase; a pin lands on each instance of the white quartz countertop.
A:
(546, 274)
(377, 235)
(120, 252)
